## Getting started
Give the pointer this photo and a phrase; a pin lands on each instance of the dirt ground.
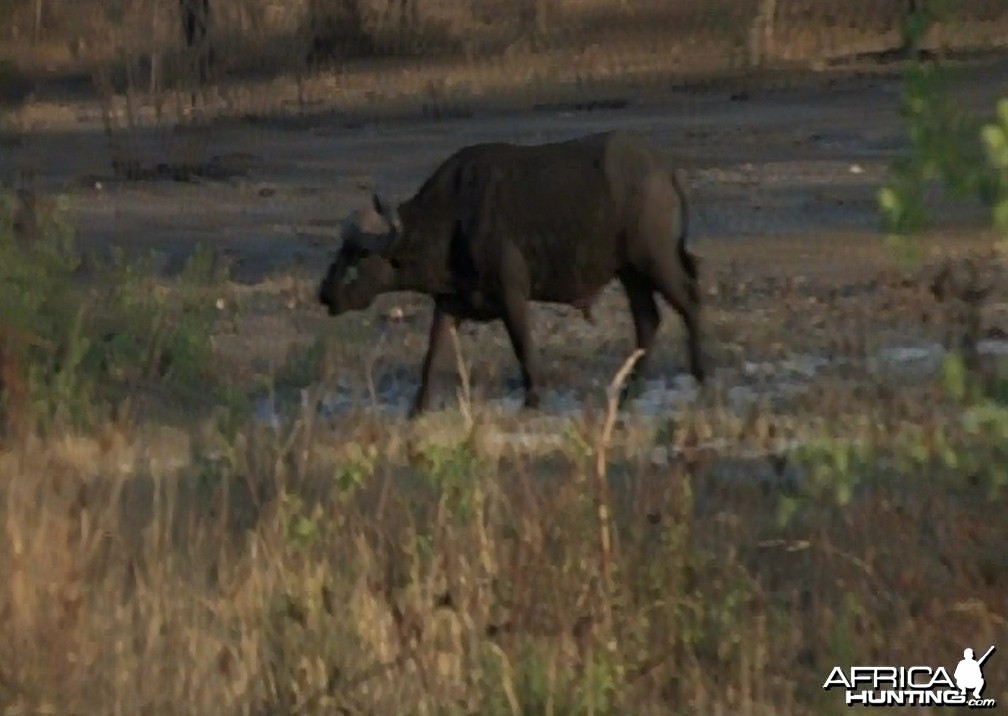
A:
(783, 184)
(804, 160)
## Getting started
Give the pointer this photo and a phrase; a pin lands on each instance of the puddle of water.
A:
(658, 397)
(993, 346)
(912, 354)
(928, 357)
(805, 365)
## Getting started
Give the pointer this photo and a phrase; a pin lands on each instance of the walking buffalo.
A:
(498, 225)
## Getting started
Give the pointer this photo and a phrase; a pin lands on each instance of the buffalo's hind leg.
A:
(681, 292)
(440, 325)
(516, 321)
(515, 291)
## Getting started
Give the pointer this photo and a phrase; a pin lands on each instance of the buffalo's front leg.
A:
(682, 293)
(440, 325)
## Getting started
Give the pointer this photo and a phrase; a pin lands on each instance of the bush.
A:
(77, 344)
(944, 151)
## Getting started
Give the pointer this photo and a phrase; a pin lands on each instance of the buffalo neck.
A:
(421, 256)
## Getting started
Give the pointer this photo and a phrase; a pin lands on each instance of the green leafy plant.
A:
(300, 526)
(994, 137)
(83, 340)
(530, 682)
(833, 469)
(454, 471)
(356, 470)
(943, 149)
(924, 15)
(942, 153)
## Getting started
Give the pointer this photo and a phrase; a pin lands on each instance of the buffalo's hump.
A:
(570, 207)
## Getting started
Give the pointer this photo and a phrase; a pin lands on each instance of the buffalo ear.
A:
(396, 222)
(380, 206)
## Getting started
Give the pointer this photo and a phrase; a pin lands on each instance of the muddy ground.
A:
(783, 183)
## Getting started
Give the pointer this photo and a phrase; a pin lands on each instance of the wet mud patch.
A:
(771, 384)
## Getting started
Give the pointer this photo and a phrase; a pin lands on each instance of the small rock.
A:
(994, 320)
(911, 354)
(740, 396)
(912, 359)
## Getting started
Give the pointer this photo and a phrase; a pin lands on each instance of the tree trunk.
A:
(761, 32)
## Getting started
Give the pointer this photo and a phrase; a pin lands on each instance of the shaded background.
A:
(299, 55)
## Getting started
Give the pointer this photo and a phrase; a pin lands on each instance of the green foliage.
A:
(943, 152)
(300, 526)
(994, 137)
(916, 24)
(42, 311)
(833, 468)
(532, 683)
(156, 334)
(304, 363)
(981, 453)
(967, 159)
(454, 471)
(356, 470)
(956, 378)
(943, 147)
(83, 343)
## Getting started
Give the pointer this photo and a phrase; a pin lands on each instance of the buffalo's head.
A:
(362, 268)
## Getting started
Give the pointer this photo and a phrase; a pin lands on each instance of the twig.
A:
(465, 400)
(369, 370)
(507, 679)
(601, 451)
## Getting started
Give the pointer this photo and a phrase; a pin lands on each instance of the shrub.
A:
(76, 343)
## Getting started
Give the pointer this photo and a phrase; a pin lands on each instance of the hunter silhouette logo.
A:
(915, 685)
(968, 675)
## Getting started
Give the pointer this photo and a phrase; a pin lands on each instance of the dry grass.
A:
(366, 565)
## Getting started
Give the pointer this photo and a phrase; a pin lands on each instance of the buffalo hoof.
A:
(531, 401)
(633, 388)
(416, 410)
